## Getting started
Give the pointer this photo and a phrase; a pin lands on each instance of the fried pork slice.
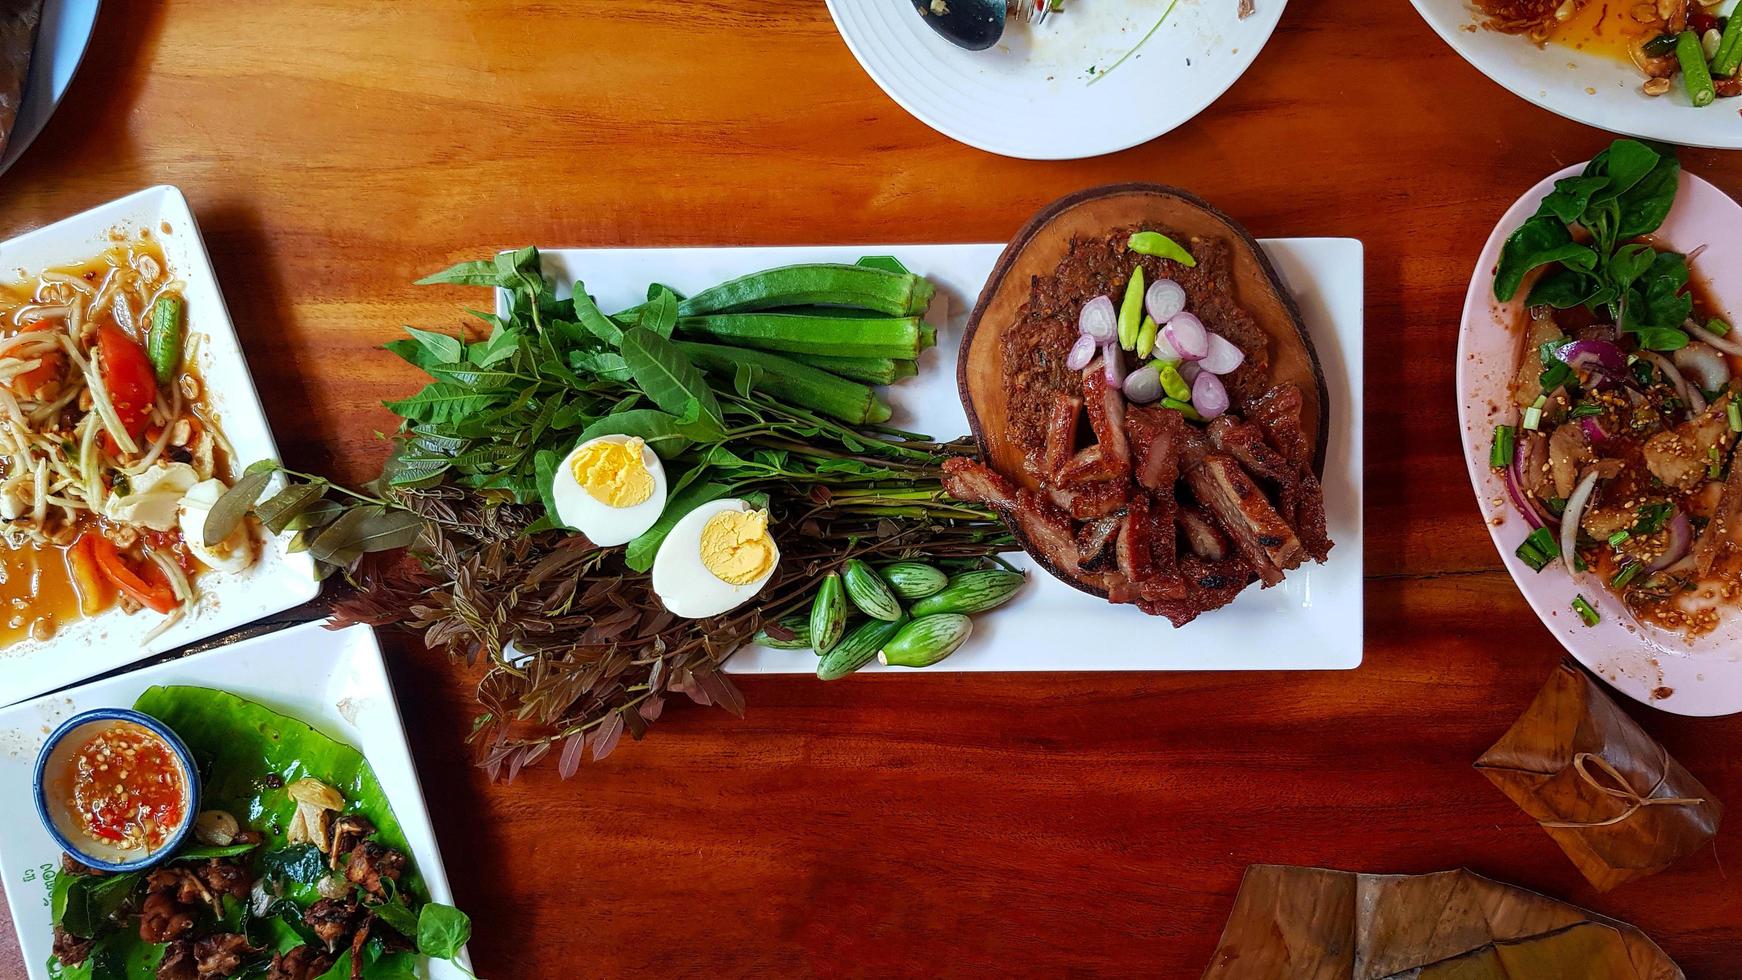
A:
(1245, 442)
(1048, 530)
(1106, 407)
(1061, 434)
(1258, 532)
(1089, 466)
(1202, 537)
(1725, 527)
(1155, 435)
(1095, 541)
(1092, 500)
(1162, 531)
(977, 483)
(1681, 456)
(1277, 412)
(1305, 505)
(1198, 587)
(1136, 562)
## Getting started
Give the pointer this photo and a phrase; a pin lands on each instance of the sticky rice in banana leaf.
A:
(312, 875)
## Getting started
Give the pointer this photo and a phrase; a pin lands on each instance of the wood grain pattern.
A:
(950, 825)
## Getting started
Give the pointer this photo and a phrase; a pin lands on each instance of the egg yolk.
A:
(736, 547)
(613, 473)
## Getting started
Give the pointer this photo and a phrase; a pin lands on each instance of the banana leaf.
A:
(246, 754)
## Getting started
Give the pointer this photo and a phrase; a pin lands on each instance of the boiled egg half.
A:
(611, 489)
(718, 557)
(234, 553)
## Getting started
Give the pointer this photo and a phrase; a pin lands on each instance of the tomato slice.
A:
(156, 595)
(128, 375)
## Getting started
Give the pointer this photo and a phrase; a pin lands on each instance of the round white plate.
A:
(1587, 87)
(60, 46)
(1038, 94)
(1647, 664)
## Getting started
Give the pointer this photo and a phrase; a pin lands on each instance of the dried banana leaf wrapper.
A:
(1315, 924)
(1607, 792)
(18, 23)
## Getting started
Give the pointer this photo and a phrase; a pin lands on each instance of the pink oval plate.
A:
(1652, 665)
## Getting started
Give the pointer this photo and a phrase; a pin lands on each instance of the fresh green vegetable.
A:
(914, 580)
(828, 614)
(1733, 413)
(792, 381)
(926, 640)
(1539, 549)
(900, 338)
(1625, 193)
(859, 648)
(1159, 245)
(1586, 612)
(871, 370)
(1505, 447)
(1717, 326)
(1628, 573)
(972, 592)
(1131, 310)
(1696, 74)
(868, 592)
(1729, 57)
(798, 628)
(858, 286)
(163, 339)
(1146, 337)
(1173, 383)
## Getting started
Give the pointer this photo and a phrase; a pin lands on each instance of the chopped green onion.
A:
(1627, 574)
(1585, 410)
(1696, 74)
(1616, 539)
(1556, 505)
(1735, 413)
(1717, 325)
(1532, 418)
(1652, 518)
(1716, 466)
(1558, 374)
(1505, 446)
(1586, 613)
(1539, 549)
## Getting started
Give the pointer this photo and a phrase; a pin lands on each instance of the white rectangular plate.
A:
(334, 681)
(278, 581)
(1313, 621)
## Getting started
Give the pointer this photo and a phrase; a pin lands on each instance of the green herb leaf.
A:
(659, 313)
(501, 345)
(440, 402)
(481, 272)
(226, 515)
(601, 364)
(442, 930)
(397, 916)
(445, 349)
(1537, 243)
(640, 552)
(596, 323)
(669, 379)
(207, 851)
(277, 511)
(658, 429)
(90, 901)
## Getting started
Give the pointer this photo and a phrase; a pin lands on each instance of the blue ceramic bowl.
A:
(54, 763)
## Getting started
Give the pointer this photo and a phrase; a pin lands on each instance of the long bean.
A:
(1695, 73)
(1729, 57)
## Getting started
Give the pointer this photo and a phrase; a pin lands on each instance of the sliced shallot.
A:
(1165, 300)
(1143, 385)
(1726, 343)
(1185, 333)
(1223, 356)
(1188, 371)
(1082, 352)
(1209, 396)
(1111, 364)
(1571, 518)
(1702, 364)
(1690, 396)
(1681, 541)
(1099, 320)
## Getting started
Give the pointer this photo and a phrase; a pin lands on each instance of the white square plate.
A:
(332, 680)
(278, 581)
(1313, 621)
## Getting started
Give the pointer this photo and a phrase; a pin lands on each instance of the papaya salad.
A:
(1621, 453)
(109, 457)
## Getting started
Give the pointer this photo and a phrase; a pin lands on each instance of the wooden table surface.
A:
(950, 824)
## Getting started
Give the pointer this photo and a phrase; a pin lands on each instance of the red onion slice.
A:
(1575, 513)
(1185, 333)
(1082, 352)
(1533, 514)
(1702, 364)
(1681, 541)
(1594, 430)
(1099, 320)
(1112, 364)
(1143, 386)
(1223, 356)
(1165, 300)
(1209, 396)
(1587, 355)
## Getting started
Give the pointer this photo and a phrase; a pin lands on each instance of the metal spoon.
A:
(978, 24)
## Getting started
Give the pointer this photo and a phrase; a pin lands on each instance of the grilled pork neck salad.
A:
(296, 867)
(1193, 477)
(602, 507)
(1665, 39)
(109, 456)
(1620, 452)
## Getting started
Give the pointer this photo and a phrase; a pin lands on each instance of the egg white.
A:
(604, 525)
(684, 584)
(237, 552)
